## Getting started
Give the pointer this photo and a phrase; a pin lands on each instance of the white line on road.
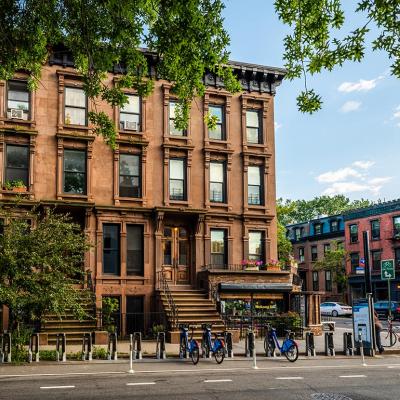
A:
(57, 387)
(352, 376)
(217, 380)
(289, 377)
(140, 383)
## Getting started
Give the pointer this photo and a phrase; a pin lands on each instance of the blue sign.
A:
(360, 270)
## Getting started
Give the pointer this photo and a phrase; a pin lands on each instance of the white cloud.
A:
(344, 187)
(350, 105)
(363, 164)
(361, 86)
(277, 125)
(396, 114)
(338, 175)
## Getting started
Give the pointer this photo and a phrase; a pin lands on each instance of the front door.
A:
(176, 255)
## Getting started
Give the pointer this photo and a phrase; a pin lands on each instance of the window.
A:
(328, 281)
(396, 226)
(255, 187)
(177, 181)
(129, 175)
(172, 130)
(218, 132)
(134, 256)
(314, 253)
(218, 247)
(339, 245)
(317, 229)
(375, 229)
(376, 259)
(129, 114)
(301, 254)
(397, 257)
(315, 281)
(353, 233)
(253, 126)
(354, 261)
(18, 98)
(327, 248)
(334, 226)
(75, 106)
(75, 171)
(17, 164)
(111, 246)
(298, 233)
(217, 182)
(256, 252)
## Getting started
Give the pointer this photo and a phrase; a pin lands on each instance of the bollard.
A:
(228, 344)
(61, 344)
(361, 347)
(249, 343)
(112, 347)
(329, 345)
(87, 347)
(5, 347)
(131, 371)
(33, 347)
(137, 345)
(160, 349)
(310, 345)
(348, 348)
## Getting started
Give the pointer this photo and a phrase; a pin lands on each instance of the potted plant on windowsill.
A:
(15, 186)
(273, 265)
(251, 265)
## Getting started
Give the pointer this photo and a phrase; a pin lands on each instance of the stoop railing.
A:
(172, 314)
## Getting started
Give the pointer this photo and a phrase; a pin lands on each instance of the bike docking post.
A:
(61, 344)
(348, 348)
(131, 371)
(361, 348)
(160, 349)
(269, 351)
(329, 345)
(228, 344)
(112, 347)
(310, 344)
(137, 345)
(33, 347)
(249, 348)
(87, 347)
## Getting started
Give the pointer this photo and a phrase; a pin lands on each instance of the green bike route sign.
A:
(387, 269)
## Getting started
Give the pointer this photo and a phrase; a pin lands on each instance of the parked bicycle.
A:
(188, 346)
(217, 348)
(390, 335)
(288, 348)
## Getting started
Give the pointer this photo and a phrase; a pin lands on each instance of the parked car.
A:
(335, 309)
(382, 309)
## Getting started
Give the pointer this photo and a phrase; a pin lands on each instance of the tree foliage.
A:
(39, 266)
(319, 42)
(187, 36)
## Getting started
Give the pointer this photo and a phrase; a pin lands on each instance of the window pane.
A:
(129, 186)
(252, 119)
(183, 252)
(216, 192)
(254, 175)
(218, 255)
(253, 195)
(176, 169)
(19, 105)
(74, 160)
(74, 182)
(129, 164)
(252, 135)
(172, 129)
(216, 133)
(111, 260)
(167, 251)
(216, 172)
(17, 164)
(134, 260)
(128, 117)
(74, 171)
(176, 190)
(75, 97)
(217, 112)
(133, 105)
(172, 106)
(18, 91)
(75, 116)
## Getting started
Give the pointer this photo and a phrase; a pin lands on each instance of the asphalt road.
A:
(326, 379)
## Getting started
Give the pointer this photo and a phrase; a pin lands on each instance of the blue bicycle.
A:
(188, 346)
(289, 347)
(217, 348)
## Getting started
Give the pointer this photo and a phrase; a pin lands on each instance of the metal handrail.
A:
(173, 313)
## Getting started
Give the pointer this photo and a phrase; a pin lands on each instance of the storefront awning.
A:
(255, 287)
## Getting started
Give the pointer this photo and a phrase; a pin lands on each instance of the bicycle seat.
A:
(287, 331)
(184, 328)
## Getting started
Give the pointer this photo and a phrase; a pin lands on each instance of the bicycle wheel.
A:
(182, 349)
(195, 355)
(219, 355)
(269, 345)
(388, 338)
(292, 353)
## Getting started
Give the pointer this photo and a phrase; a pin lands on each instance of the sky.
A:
(352, 145)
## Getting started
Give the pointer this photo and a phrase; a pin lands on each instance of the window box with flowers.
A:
(273, 265)
(252, 265)
(15, 186)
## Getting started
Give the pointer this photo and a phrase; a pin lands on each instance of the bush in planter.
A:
(17, 185)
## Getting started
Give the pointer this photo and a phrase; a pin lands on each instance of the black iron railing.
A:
(172, 312)
(240, 267)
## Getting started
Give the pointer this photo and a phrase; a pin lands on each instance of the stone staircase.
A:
(194, 309)
(68, 324)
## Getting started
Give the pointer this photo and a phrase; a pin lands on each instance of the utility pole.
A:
(367, 275)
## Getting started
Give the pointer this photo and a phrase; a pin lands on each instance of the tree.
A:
(39, 265)
(187, 37)
(284, 244)
(315, 45)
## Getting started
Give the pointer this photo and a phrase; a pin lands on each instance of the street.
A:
(321, 378)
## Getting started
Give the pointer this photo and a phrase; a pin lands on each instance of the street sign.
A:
(387, 269)
(360, 270)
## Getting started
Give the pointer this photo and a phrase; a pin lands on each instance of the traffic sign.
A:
(387, 269)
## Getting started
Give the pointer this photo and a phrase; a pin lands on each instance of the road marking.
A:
(352, 376)
(57, 387)
(217, 380)
(140, 383)
(289, 377)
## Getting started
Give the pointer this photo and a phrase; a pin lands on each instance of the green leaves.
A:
(309, 101)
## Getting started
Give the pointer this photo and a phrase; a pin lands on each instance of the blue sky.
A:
(352, 145)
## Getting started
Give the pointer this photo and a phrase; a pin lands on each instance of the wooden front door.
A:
(176, 257)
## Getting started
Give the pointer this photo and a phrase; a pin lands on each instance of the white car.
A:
(335, 309)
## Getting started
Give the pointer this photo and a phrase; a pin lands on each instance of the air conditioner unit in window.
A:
(15, 113)
(131, 126)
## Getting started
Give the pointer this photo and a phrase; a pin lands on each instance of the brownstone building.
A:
(170, 200)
